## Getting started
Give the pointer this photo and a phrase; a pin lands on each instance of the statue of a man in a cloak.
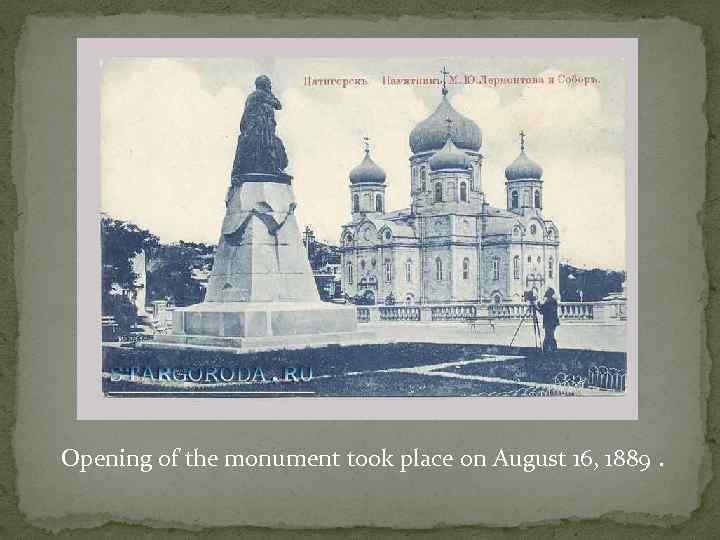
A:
(259, 150)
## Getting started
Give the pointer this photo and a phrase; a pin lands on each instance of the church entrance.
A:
(367, 289)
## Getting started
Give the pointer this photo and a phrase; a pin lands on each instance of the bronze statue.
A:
(259, 150)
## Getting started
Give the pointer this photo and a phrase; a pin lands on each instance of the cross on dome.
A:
(522, 141)
(445, 73)
(366, 144)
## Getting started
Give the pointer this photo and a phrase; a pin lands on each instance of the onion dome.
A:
(523, 167)
(367, 172)
(431, 133)
(449, 157)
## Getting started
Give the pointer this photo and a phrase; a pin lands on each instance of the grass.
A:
(359, 370)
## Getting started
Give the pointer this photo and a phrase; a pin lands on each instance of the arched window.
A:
(356, 203)
(466, 268)
(550, 267)
(514, 197)
(533, 229)
(408, 270)
(438, 192)
(463, 192)
(378, 203)
(497, 298)
(496, 268)
(516, 231)
(550, 234)
(438, 269)
(516, 266)
(423, 185)
(537, 198)
(349, 272)
(388, 271)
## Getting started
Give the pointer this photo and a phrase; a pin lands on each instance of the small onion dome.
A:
(367, 172)
(430, 134)
(523, 167)
(449, 157)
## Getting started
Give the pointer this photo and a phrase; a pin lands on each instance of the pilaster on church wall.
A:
(465, 289)
(436, 291)
(400, 286)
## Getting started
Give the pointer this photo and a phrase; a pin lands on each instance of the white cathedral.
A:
(450, 245)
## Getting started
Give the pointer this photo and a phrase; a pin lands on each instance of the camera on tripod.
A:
(530, 298)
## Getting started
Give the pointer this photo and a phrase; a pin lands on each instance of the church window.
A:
(388, 271)
(356, 203)
(537, 198)
(514, 197)
(516, 231)
(362, 264)
(497, 298)
(529, 259)
(423, 185)
(550, 234)
(496, 268)
(349, 272)
(388, 235)
(539, 260)
(438, 192)
(533, 229)
(378, 203)
(408, 270)
(463, 192)
(516, 266)
(438, 269)
(550, 268)
(466, 268)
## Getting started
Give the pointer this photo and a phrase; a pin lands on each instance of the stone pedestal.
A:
(261, 289)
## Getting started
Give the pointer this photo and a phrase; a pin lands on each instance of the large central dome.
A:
(431, 133)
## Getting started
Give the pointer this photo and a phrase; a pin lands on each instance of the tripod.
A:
(531, 310)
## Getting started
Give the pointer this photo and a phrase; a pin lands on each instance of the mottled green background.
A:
(703, 522)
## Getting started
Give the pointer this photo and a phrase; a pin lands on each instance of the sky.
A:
(169, 128)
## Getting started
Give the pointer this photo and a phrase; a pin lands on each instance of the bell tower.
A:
(367, 186)
(524, 183)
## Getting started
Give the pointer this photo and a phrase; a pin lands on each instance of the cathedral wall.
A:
(438, 226)
(533, 261)
(496, 279)
(401, 287)
(437, 290)
(464, 282)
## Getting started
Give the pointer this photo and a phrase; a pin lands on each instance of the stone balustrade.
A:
(453, 312)
(399, 313)
(599, 312)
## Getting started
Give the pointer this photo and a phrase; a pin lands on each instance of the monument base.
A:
(244, 325)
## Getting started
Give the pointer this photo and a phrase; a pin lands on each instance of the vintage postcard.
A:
(339, 228)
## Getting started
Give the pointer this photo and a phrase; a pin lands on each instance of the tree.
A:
(120, 242)
(595, 284)
(171, 277)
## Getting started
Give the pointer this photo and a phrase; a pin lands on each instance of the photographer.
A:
(549, 311)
